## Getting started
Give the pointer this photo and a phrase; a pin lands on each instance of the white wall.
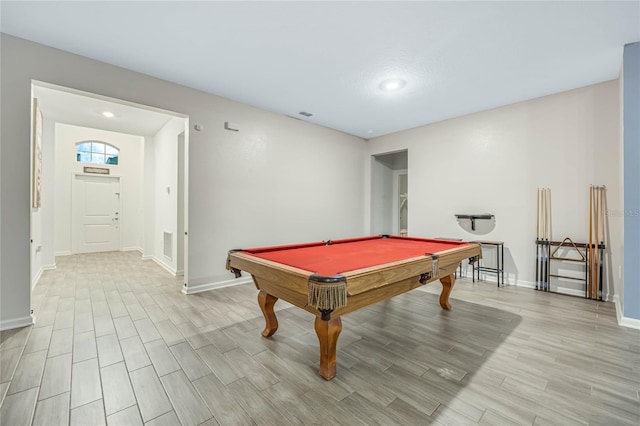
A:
(493, 161)
(42, 256)
(163, 188)
(277, 180)
(129, 169)
(149, 199)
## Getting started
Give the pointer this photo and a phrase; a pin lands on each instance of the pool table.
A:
(333, 278)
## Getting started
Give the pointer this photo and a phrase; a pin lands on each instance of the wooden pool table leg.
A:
(328, 332)
(266, 302)
(447, 284)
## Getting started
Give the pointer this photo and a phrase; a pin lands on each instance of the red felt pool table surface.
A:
(352, 254)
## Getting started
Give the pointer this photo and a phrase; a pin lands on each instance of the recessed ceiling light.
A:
(392, 84)
(108, 114)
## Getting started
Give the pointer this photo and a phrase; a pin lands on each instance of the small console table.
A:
(498, 269)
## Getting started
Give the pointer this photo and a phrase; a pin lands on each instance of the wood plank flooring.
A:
(116, 342)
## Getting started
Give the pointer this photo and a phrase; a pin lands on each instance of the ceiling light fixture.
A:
(108, 114)
(306, 114)
(392, 84)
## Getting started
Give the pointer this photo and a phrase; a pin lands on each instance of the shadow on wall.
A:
(482, 226)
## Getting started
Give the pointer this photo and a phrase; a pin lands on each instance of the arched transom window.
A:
(96, 152)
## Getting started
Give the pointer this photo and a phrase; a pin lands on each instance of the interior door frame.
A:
(185, 117)
(395, 213)
(74, 218)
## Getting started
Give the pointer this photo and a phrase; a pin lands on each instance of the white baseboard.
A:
(491, 278)
(39, 274)
(131, 249)
(16, 323)
(570, 291)
(622, 320)
(524, 284)
(166, 267)
(219, 284)
(630, 322)
(63, 253)
(34, 282)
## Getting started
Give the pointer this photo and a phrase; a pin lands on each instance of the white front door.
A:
(95, 214)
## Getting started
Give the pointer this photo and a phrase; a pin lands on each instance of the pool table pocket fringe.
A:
(327, 296)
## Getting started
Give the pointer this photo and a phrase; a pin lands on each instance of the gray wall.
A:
(631, 82)
(269, 183)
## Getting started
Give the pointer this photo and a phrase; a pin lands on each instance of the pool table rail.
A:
(292, 284)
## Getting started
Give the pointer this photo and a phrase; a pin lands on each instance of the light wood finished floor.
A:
(116, 342)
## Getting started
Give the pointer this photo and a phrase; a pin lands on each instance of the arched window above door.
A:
(97, 152)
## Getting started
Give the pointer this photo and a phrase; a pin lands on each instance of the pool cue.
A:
(547, 205)
(543, 230)
(590, 282)
(598, 263)
(594, 290)
(544, 240)
(600, 249)
(538, 239)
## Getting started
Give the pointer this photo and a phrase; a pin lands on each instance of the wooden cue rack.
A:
(583, 249)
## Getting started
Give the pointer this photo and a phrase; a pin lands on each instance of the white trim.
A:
(63, 253)
(168, 268)
(17, 323)
(34, 282)
(630, 322)
(570, 291)
(39, 274)
(622, 320)
(131, 249)
(395, 209)
(616, 301)
(520, 283)
(220, 284)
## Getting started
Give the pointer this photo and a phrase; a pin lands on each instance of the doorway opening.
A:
(390, 193)
(91, 202)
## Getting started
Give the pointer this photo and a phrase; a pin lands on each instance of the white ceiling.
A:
(328, 58)
(81, 110)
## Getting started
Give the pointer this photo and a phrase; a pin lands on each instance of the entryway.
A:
(126, 193)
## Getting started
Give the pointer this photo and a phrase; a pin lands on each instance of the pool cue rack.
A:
(590, 254)
(581, 256)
